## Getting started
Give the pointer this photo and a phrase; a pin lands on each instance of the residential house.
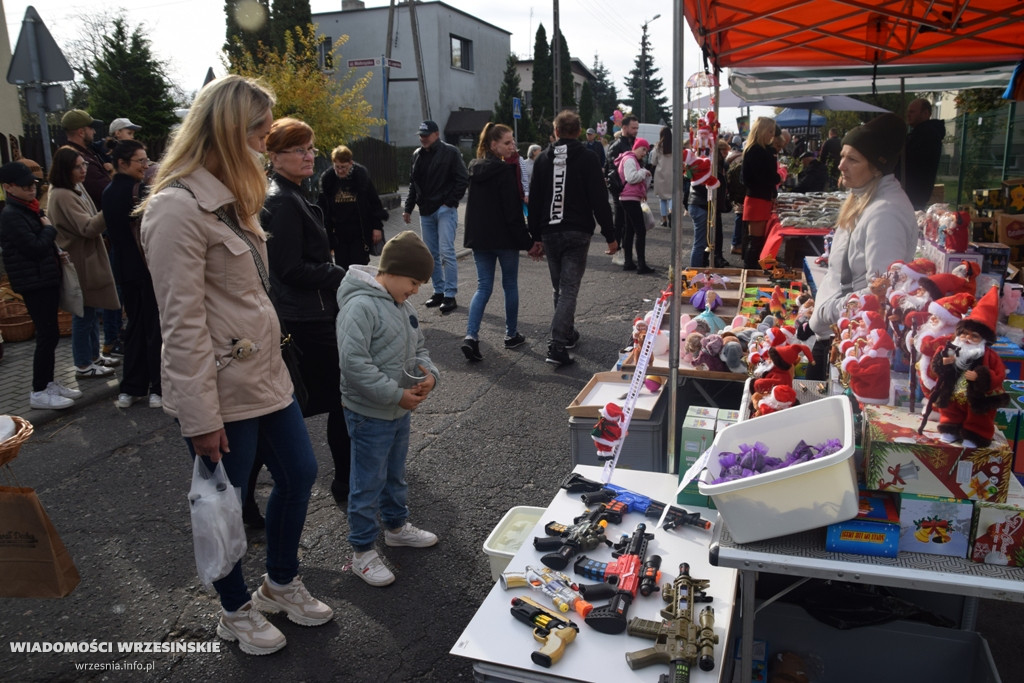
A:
(580, 75)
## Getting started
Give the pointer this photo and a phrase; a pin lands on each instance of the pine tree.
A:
(511, 86)
(568, 86)
(254, 15)
(287, 15)
(542, 101)
(656, 107)
(606, 97)
(587, 111)
(126, 80)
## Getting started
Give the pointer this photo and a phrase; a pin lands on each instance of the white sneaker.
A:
(49, 399)
(156, 401)
(370, 568)
(410, 536)
(126, 400)
(66, 392)
(255, 635)
(93, 370)
(294, 600)
(107, 361)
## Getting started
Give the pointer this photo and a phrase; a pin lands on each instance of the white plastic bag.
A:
(619, 258)
(217, 532)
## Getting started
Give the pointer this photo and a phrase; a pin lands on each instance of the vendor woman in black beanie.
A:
(876, 224)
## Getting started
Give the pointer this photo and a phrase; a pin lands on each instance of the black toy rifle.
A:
(549, 628)
(940, 383)
(679, 640)
(621, 500)
(585, 533)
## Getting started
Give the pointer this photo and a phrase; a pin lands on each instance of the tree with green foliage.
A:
(565, 68)
(978, 113)
(248, 25)
(511, 87)
(287, 15)
(125, 80)
(606, 97)
(656, 107)
(587, 112)
(543, 97)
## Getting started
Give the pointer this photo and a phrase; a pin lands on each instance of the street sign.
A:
(394, 63)
(36, 58)
(517, 112)
(353, 63)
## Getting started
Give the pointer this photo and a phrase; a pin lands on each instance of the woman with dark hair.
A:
(495, 231)
(80, 232)
(662, 162)
(305, 284)
(141, 376)
(224, 378)
(353, 214)
(760, 174)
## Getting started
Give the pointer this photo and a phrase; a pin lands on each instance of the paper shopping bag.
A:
(33, 560)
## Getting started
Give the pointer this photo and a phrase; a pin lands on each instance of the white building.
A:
(580, 75)
(463, 60)
(10, 111)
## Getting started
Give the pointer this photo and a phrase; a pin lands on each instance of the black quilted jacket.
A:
(30, 249)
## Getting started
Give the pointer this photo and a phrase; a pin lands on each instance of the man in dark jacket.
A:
(78, 126)
(829, 157)
(595, 145)
(436, 184)
(813, 177)
(353, 214)
(624, 143)
(922, 152)
(567, 193)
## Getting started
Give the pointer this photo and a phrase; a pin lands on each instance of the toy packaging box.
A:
(696, 436)
(1012, 357)
(1008, 421)
(874, 531)
(935, 525)
(898, 459)
(997, 536)
(758, 664)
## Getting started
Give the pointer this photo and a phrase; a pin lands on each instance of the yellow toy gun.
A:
(549, 628)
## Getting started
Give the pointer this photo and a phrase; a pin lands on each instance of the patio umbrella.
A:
(798, 121)
(727, 98)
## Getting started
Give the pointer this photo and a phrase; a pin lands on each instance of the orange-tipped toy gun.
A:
(620, 500)
(585, 533)
(559, 587)
(679, 640)
(629, 574)
(549, 628)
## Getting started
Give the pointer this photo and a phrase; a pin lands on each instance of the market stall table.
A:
(501, 646)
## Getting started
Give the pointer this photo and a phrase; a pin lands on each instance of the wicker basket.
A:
(64, 323)
(12, 308)
(9, 448)
(17, 328)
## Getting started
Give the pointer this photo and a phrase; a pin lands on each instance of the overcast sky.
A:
(188, 34)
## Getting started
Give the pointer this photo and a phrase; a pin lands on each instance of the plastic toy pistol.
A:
(629, 574)
(623, 500)
(559, 587)
(586, 533)
(679, 640)
(549, 628)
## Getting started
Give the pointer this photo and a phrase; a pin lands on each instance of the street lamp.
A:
(643, 70)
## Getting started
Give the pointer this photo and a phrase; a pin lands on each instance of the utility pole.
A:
(415, 25)
(643, 71)
(387, 71)
(556, 63)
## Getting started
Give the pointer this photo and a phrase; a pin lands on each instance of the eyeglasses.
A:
(144, 161)
(81, 165)
(301, 151)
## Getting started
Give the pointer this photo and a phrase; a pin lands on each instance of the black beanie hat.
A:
(406, 254)
(880, 140)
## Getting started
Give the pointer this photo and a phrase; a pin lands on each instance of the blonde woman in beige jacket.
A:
(223, 376)
(80, 233)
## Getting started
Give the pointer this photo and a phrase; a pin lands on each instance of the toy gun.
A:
(585, 533)
(549, 628)
(561, 589)
(629, 574)
(679, 640)
(623, 500)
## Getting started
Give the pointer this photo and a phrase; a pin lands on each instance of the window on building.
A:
(325, 57)
(462, 53)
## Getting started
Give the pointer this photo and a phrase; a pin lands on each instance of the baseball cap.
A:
(426, 128)
(591, 131)
(16, 173)
(807, 155)
(119, 124)
(77, 118)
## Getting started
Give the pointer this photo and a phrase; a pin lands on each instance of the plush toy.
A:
(698, 170)
(869, 371)
(708, 359)
(692, 348)
(704, 139)
(608, 430)
(781, 397)
(932, 335)
(969, 389)
(732, 356)
(960, 281)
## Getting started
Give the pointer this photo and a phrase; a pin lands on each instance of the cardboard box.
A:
(946, 261)
(874, 531)
(935, 525)
(726, 417)
(1008, 421)
(702, 411)
(995, 256)
(1010, 229)
(997, 536)
(1013, 195)
(1012, 357)
(698, 432)
(609, 387)
(897, 458)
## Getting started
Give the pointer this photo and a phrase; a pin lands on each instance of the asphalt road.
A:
(493, 435)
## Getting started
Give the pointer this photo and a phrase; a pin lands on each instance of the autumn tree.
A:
(248, 25)
(334, 106)
(287, 15)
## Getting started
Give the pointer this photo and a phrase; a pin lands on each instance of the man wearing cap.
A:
(78, 126)
(436, 184)
(814, 175)
(624, 143)
(595, 145)
(123, 129)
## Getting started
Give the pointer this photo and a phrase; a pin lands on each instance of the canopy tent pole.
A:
(678, 84)
(963, 160)
(1011, 112)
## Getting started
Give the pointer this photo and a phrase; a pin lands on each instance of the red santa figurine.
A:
(608, 430)
(783, 359)
(969, 390)
(936, 327)
(780, 398)
(869, 372)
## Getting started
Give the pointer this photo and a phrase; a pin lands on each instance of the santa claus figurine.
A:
(961, 281)
(783, 360)
(969, 390)
(935, 328)
(608, 430)
(869, 372)
(781, 397)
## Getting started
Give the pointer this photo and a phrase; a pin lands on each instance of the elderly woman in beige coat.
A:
(80, 232)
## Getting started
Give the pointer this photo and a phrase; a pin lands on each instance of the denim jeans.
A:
(377, 482)
(85, 337)
(283, 443)
(485, 265)
(739, 230)
(439, 235)
(665, 206)
(699, 216)
(567, 261)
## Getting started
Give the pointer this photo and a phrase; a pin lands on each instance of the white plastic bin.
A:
(508, 535)
(799, 497)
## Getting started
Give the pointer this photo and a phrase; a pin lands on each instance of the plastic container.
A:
(799, 497)
(509, 534)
